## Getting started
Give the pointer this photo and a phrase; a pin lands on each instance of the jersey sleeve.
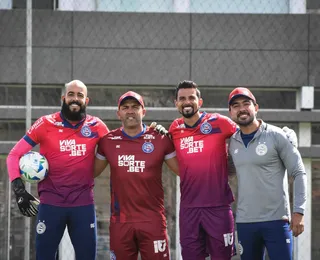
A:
(292, 160)
(100, 154)
(170, 151)
(173, 126)
(36, 132)
(102, 128)
(14, 156)
(228, 126)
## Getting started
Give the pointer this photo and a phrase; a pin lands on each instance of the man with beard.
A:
(68, 140)
(206, 218)
(136, 154)
(261, 154)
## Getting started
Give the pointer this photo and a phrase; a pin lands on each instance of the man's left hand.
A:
(297, 224)
(291, 135)
(159, 128)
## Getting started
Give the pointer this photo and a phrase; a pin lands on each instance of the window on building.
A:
(315, 131)
(185, 6)
(317, 99)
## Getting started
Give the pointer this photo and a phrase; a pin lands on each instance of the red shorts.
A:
(148, 238)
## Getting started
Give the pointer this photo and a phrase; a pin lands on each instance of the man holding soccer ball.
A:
(68, 140)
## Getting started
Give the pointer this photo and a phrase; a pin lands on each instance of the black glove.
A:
(26, 202)
(160, 129)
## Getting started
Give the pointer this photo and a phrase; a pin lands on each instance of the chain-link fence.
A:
(271, 46)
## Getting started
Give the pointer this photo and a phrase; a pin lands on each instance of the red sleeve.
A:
(102, 128)
(228, 126)
(36, 131)
(101, 144)
(15, 154)
(169, 147)
(172, 126)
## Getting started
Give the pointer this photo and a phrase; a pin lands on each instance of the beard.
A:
(73, 115)
(131, 124)
(188, 114)
(245, 122)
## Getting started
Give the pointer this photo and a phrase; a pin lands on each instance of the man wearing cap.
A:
(261, 154)
(136, 154)
(206, 219)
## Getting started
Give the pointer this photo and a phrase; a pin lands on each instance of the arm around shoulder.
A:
(99, 166)
(173, 165)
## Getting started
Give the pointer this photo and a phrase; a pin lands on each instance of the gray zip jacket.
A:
(262, 178)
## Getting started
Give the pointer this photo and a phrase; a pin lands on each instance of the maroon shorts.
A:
(207, 231)
(148, 238)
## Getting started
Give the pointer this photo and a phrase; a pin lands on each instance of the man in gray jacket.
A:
(261, 154)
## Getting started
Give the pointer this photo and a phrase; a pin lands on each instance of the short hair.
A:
(187, 84)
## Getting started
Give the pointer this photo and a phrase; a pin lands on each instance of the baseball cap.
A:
(240, 92)
(131, 94)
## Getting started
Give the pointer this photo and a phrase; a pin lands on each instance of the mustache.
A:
(243, 113)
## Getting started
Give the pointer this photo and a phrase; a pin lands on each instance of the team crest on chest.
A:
(86, 131)
(261, 149)
(205, 128)
(148, 147)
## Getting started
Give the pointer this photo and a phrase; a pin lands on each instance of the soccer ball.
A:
(34, 167)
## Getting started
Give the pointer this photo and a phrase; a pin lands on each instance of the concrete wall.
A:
(161, 49)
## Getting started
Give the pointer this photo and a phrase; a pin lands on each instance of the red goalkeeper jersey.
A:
(202, 154)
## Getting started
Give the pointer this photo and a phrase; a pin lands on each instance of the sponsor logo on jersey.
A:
(148, 147)
(58, 124)
(38, 123)
(131, 163)
(261, 149)
(41, 228)
(148, 137)
(117, 137)
(192, 146)
(159, 246)
(228, 239)
(86, 131)
(205, 128)
(72, 147)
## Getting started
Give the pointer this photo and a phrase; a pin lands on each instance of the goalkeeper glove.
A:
(26, 202)
(160, 129)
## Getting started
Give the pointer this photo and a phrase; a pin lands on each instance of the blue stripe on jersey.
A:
(215, 130)
(29, 141)
(198, 122)
(136, 136)
(246, 138)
